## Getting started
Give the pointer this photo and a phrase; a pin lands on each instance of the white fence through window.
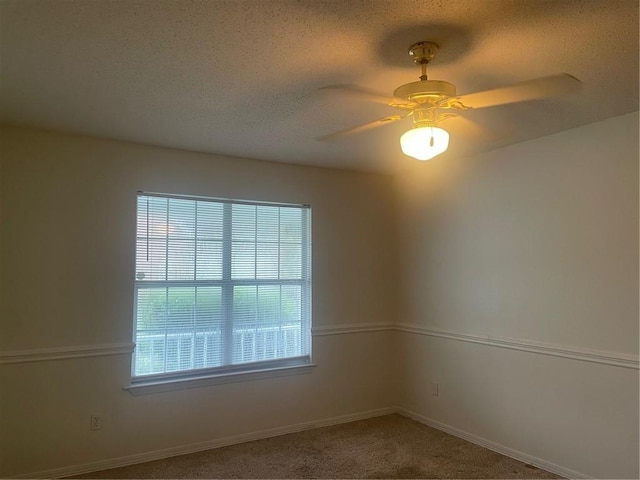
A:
(187, 350)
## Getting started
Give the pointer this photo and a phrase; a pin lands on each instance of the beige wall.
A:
(537, 243)
(68, 216)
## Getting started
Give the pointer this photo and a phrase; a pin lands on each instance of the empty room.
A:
(319, 239)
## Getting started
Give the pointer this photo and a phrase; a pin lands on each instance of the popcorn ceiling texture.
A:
(241, 78)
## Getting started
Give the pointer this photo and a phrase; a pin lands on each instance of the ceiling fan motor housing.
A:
(425, 91)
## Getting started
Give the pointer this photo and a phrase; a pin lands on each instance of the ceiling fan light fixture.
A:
(428, 102)
(424, 143)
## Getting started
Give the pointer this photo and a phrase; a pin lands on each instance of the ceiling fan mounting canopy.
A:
(423, 52)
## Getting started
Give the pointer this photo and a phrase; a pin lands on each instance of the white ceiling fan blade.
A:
(361, 92)
(468, 128)
(519, 92)
(367, 126)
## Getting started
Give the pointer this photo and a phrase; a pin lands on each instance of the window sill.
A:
(168, 385)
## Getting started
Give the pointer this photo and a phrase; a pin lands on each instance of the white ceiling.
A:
(242, 77)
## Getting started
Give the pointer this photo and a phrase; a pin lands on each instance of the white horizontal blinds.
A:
(269, 308)
(219, 283)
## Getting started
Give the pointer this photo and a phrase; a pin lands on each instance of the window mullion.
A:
(135, 328)
(194, 307)
(227, 287)
(305, 292)
(166, 277)
(195, 242)
(194, 316)
(255, 275)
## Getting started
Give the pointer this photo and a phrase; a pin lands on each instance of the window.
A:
(221, 286)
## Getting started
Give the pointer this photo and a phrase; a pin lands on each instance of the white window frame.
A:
(228, 373)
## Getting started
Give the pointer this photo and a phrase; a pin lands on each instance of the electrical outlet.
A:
(96, 422)
(435, 389)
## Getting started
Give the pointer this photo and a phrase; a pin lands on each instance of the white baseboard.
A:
(496, 447)
(201, 446)
(298, 427)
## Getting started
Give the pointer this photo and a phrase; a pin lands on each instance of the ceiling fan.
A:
(430, 102)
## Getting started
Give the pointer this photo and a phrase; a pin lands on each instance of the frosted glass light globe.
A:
(424, 143)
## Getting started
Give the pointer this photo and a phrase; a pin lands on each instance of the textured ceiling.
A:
(242, 78)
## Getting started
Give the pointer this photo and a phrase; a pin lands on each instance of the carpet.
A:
(384, 447)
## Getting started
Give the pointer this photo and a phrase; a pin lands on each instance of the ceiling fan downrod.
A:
(422, 53)
(432, 92)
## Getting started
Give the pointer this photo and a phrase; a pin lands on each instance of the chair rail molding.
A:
(82, 351)
(350, 328)
(63, 353)
(565, 351)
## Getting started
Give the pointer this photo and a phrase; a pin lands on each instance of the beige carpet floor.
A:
(384, 447)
